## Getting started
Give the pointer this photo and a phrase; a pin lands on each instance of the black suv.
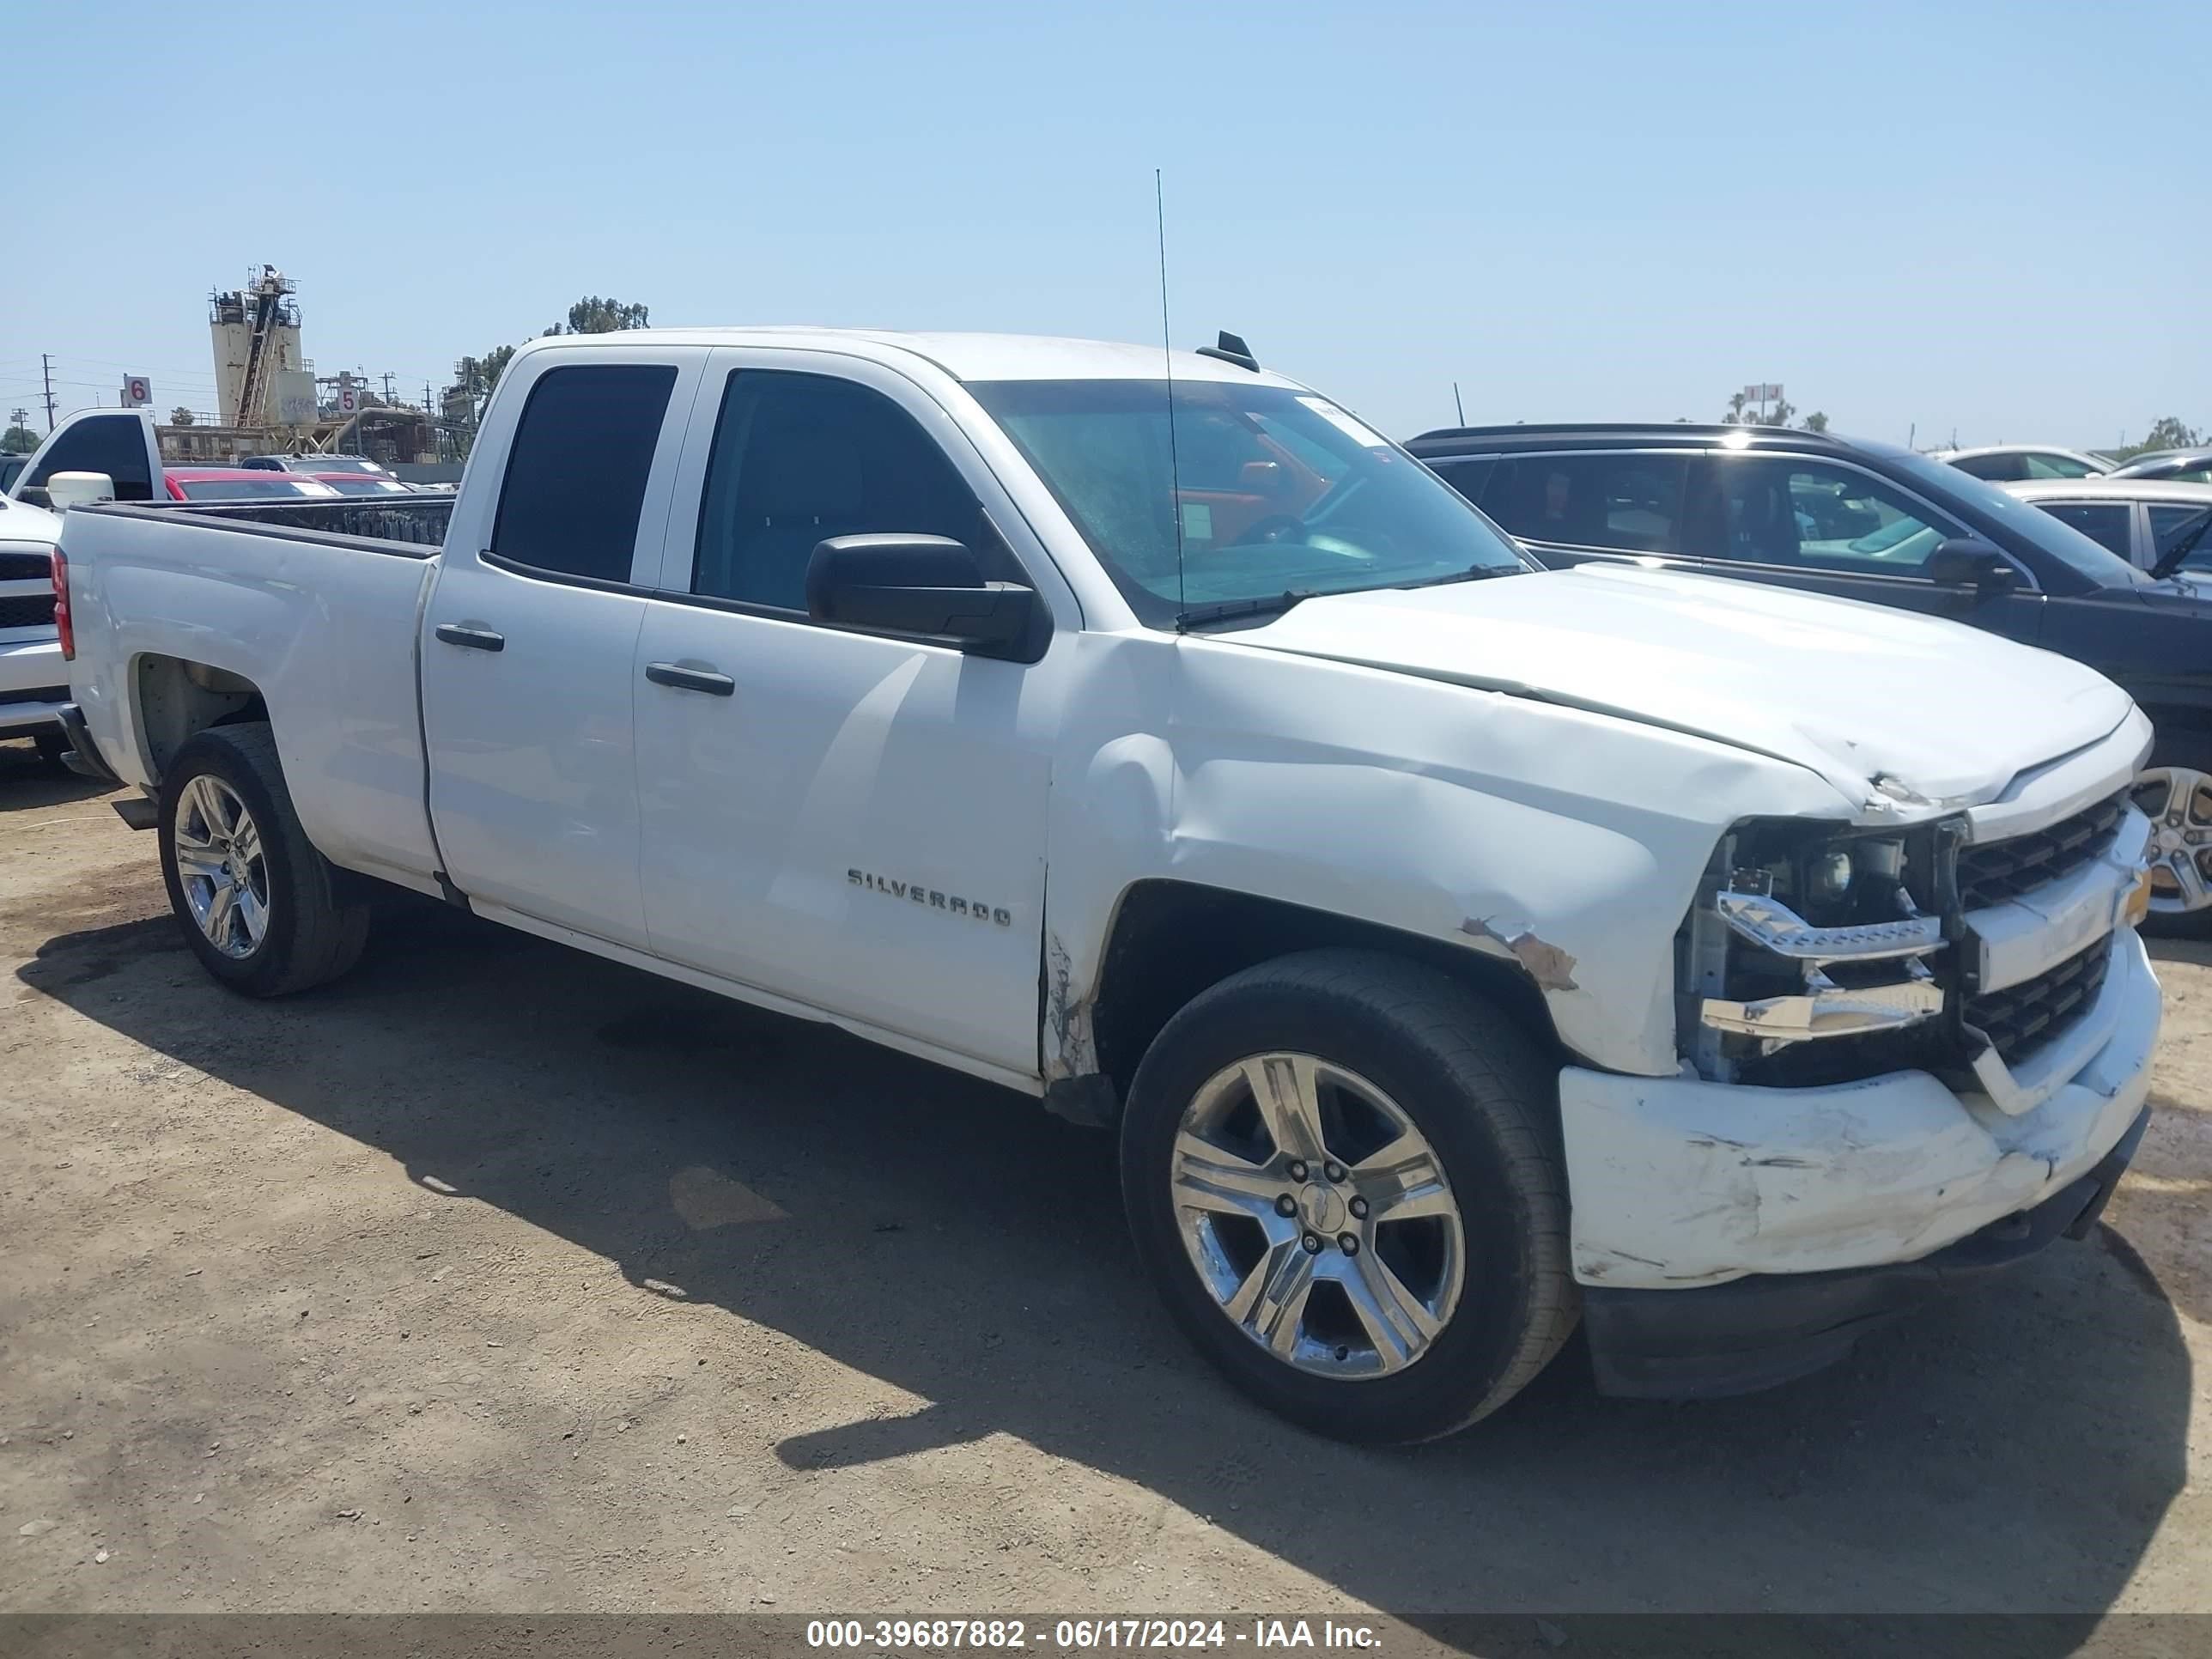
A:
(1871, 521)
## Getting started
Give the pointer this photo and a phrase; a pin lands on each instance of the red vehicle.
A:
(236, 483)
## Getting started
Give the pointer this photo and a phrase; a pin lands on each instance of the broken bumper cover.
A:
(1774, 1328)
(1678, 1183)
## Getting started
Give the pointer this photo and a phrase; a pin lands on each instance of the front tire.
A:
(264, 912)
(2174, 791)
(1342, 1173)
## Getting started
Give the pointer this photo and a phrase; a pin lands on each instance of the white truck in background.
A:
(34, 678)
(1458, 949)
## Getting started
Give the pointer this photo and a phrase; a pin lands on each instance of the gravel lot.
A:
(496, 1277)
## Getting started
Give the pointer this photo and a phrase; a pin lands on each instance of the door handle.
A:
(474, 638)
(690, 679)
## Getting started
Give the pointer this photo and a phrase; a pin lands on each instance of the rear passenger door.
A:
(853, 821)
(529, 648)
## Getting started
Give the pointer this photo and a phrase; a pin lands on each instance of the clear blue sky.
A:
(1968, 215)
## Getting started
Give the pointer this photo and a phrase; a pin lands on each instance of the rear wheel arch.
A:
(173, 699)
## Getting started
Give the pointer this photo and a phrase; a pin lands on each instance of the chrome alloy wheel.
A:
(2177, 801)
(1317, 1216)
(219, 865)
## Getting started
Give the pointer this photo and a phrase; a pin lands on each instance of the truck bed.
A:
(416, 521)
(292, 604)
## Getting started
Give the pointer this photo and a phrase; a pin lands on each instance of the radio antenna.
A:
(1458, 405)
(1167, 355)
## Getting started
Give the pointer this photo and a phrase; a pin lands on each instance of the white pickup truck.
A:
(33, 677)
(1458, 949)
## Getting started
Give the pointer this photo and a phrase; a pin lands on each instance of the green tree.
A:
(1816, 422)
(180, 416)
(594, 315)
(1737, 404)
(18, 441)
(2165, 433)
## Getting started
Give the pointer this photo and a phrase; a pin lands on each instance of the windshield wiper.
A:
(1267, 604)
(2173, 558)
(1473, 572)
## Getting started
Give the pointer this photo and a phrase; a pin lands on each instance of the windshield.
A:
(2030, 523)
(354, 485)
(360, 464)
(250, 490)
(1279, 492)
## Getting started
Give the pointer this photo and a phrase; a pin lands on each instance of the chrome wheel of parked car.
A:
(221, 867)
(1318, 1217)
(2177, 801)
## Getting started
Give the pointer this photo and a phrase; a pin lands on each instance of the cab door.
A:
(119, 442)
(854, 821)
(530, 638)
(1831, 527)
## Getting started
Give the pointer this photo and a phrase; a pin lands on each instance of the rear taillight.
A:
(63, 625)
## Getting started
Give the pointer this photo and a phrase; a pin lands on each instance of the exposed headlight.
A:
(1828, 875)
(1807, 931)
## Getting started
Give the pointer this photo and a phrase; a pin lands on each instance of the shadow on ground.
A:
(28, 780)
(2013, 1451)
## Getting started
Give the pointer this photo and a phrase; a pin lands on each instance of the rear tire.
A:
(1477, 1295)
(264, 912)
(2177, 779)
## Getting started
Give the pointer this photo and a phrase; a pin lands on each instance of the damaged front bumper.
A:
(1773, 1328)
(1677, 1182)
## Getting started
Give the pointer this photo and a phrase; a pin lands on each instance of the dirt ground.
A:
(499, 1278)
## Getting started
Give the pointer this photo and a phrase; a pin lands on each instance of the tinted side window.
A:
(2055, 466)
(114, 444)
(800, 458)
(1467, 476)
(1998, 469)
(2105, 523)
(2170, 525)
(1602, 498)
(575, 479)
(1783, 511)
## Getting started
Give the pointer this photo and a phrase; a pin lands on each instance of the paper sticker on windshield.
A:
(1344, 423)
(1197, 521)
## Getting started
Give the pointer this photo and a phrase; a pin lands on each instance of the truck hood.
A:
(21, 522)
(1890, 707)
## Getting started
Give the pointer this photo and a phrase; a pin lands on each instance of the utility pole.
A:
(387, 385)
(47, 364)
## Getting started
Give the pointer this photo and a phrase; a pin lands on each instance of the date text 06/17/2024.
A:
(1084, 1635)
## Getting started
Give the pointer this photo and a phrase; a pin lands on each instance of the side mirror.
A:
(67, 489)
(1969, 561)
(921, 588)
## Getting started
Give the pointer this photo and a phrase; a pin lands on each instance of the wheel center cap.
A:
(1320, 1209)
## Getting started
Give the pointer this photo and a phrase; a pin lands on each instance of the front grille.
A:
(2006, 869)
(2020, 1017)
(31, 611)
